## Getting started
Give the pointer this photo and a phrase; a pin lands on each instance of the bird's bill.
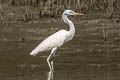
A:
(80, 14)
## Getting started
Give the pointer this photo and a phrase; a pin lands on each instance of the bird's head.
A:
(70, 12)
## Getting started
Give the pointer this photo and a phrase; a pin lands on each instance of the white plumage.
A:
(57, 39)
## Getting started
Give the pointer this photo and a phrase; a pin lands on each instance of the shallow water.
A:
(87, 57)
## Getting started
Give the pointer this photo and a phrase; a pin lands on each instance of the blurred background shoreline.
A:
(30, 10)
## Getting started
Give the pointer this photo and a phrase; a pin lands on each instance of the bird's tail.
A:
(34, 52)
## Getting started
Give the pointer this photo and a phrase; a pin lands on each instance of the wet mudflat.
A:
(93, 54)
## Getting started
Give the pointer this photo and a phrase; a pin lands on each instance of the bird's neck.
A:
(71, 26)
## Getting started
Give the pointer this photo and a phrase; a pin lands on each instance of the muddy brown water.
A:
(87, 57)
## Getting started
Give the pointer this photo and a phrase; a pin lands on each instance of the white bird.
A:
(56, 40)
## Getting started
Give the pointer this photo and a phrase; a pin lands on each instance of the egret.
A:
(57, 39)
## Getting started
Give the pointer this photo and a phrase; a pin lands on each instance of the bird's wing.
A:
(55, 40)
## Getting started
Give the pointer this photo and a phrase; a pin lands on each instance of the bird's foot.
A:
(50, 75)
(52, 66)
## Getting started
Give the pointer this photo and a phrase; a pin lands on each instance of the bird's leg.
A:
(50, 62)
(52, 66)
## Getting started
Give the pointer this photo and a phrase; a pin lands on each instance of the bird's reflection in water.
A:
(50, 75)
